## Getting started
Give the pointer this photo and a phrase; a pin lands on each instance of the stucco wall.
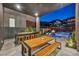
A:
(1, 26)
(20, 22)
(20, 18)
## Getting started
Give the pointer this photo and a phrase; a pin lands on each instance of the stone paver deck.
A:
(9, 49)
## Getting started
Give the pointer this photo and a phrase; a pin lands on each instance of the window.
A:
(11, 22)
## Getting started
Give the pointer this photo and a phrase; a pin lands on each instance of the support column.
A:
(77, 26)
(37, 24)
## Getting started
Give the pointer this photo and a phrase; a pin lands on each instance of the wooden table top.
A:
(36, 42)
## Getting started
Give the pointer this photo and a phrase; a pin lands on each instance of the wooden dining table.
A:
(34, 43)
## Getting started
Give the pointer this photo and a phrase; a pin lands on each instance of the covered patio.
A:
(39, 29)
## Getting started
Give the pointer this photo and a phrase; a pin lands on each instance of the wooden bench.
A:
(20, 39)
(49, 49)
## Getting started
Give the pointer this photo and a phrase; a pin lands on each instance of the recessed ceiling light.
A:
(36, 14)
(18, 6)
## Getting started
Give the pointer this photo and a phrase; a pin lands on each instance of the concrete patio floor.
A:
(9, 49)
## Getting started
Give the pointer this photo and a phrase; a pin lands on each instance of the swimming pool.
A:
(62, 35)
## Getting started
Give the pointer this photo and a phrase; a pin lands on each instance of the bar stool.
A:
(27, 37)
(35, 35)
(21, 39)
(32, 36)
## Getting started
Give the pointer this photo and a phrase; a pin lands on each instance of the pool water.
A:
(62, 35)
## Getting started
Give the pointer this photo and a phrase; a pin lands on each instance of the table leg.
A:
(29, 51)
(15, 40)
(23, 50)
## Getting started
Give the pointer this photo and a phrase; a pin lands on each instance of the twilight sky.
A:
(61, 13)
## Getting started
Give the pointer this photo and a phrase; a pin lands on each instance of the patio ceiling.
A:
(32, 8)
